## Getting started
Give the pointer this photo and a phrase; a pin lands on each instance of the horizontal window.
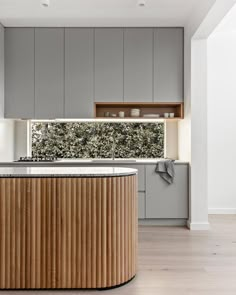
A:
(98, 140)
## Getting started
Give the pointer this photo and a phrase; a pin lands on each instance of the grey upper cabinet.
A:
(165, 200)
(49, 73)
(59, 73)
(19, 73)
(138, 65)
(168, 64)
(79, 65)
(108, 84)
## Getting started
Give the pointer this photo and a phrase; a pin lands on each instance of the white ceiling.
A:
(97, 12)
(228, 24)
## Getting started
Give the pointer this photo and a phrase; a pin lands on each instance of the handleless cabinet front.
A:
(165, 200)
(49, 73)
(168, 64)
(19, 73)
(79, 63)
(108, 84)
(138, 65)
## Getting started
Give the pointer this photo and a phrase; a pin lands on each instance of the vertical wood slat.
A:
(94, 235)
(18, 234)
(109, 228)
(99, 232)
(79, 232)
(84, 234)
(58, 282)
(73, 233)
(67, 232)
(89, 233)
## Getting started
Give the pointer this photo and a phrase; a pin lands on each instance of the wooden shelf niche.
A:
(145, 108)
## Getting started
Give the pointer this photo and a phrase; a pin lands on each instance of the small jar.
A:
(121, 114)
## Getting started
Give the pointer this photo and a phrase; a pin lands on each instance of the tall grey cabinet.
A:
(165, 200)
(49, 73)
(138, 65)
(168, 65)
(19, 73)
(108, 84)
(79, 65)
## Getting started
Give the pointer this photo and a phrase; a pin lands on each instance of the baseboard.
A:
(222, 211)
(163, 222)
(198, 225)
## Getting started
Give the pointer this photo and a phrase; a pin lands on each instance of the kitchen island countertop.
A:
(65, 172)
(86, 162)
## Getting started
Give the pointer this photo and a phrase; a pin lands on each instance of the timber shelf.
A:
(100, 108)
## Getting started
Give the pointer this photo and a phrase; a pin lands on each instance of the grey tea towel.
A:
(166, 170)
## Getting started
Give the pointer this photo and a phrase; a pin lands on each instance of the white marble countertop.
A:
(65, 171)
(89, 162)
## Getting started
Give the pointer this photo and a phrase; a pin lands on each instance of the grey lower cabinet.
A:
(166, 201)
(168, 64)
(19, 73)
(79, 65)
(49, 73)
(141, 175)
(138, 65)
(141, 205)
(108, 75)
(141, 189)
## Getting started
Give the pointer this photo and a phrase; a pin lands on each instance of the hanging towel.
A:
(166, 170)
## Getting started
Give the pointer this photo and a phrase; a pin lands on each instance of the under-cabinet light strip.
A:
(103, 120)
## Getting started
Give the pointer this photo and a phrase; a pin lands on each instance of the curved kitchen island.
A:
(67, 227)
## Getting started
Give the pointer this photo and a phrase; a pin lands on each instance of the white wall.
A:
(193, 130)
(222, 122)
(188, 130)
(190, 29)
(171, 140)
(21, 139)
(6, 140)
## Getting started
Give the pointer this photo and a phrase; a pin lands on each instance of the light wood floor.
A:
(175, 261)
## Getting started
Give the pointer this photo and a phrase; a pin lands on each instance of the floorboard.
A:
(176, 261)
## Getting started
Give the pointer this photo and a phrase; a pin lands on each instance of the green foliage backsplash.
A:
(95, 140)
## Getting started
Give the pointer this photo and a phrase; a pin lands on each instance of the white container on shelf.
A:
(166, 115)
(135, 113)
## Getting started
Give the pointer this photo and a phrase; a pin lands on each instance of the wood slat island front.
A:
(67, 232)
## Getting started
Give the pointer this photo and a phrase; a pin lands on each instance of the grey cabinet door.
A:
(167, 200)
(108, 65)
(138, 65)
(141, 205)
(168, 64)
(79, 61)
(49, 73)
(141, 175)
(19, 73)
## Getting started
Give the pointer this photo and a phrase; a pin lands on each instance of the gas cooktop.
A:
(37, 159)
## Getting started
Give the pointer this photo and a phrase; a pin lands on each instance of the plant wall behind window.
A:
(94, 140)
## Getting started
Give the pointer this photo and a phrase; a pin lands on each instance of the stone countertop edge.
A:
(69, 163)
(65, 172)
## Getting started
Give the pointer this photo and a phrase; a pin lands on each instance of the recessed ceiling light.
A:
(141, 3)
(45, 3)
